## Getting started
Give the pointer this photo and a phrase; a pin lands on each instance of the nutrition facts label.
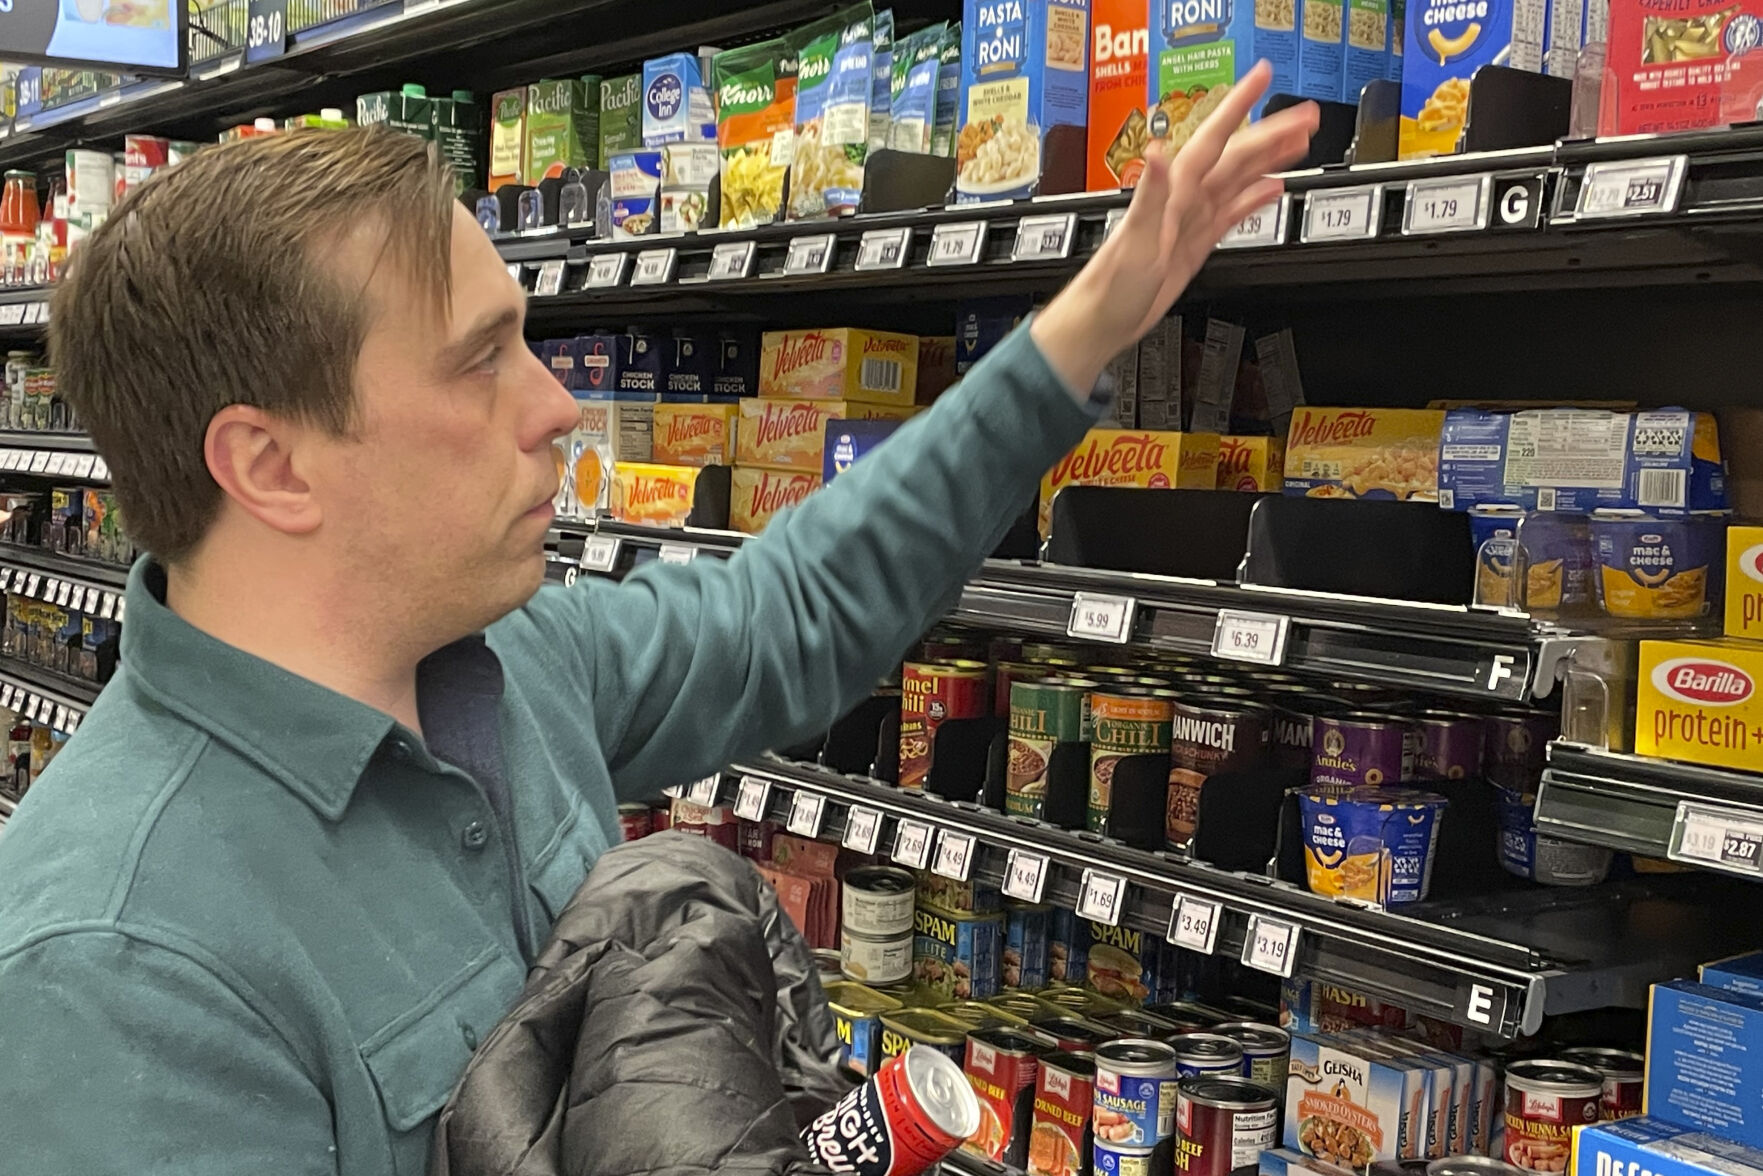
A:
(1567, 449)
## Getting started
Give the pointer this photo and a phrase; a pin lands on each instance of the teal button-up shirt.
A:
(248, 925)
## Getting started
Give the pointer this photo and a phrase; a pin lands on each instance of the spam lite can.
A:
(930, 694)
(1043, 714)
(911, 1113)
(1124, 720)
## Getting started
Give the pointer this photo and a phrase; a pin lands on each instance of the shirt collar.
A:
(316, 742)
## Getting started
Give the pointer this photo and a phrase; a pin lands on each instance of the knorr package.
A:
(832, 114)
(913, 89)
(881, 78)
(942, 138)
(755, 88)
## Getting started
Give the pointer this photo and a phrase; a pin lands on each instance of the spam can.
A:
(1025, 945)
(977, 1014)
(857, 1013)
(901, 1029)
(957, 956)
(931, 693)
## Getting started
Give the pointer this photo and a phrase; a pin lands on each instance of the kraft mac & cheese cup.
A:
(1538, 561)
(1371, 843)
(1658, 568)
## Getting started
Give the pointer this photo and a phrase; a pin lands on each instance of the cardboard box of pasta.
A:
(1705, 1060)
(1447, 41)
(844, 363)
(1120, 59)
(1387, 453)
(696, 434)
(791, 434)
(1681, 67)
(755, 495)
(1133, 457)
(1698, 701)
(1744, 581)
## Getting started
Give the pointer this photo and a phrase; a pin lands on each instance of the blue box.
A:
(1203, 45)
(596, 364)
(641, 358)
(691, 365)
(1740, 973)
(1322, 48)
(981, 326)
(846, 441)
(1025, 74)
(676, 102)
(1705, 1060)
(737, 371)
(1646, 1146)
(1369, 27)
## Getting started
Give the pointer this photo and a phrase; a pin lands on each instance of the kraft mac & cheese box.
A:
(847, 441)
(1744, 582)
(1740, 973)
(1447, 41)
(1705, 1060)
(1199, 48)
(1387, 453)
(1022, 125)
(1650, 1146)
(1120, 57)
(1698, 701)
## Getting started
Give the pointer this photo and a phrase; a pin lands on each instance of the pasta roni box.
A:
(1705, 1060)
(1199, 48)
(1666, 462)
(1692, 64)
(1387, 453)
(1447, 41)
(1698, 701)
(1025, 90)
(1133, 457)
(1647, 1145)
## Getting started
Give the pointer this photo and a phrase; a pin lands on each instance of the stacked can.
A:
(932, 693)
(1135, 1104)
(875, 936)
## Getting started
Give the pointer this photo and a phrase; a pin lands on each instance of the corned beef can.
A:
(1059, 1137)
(1073, 1035)
(1207, 1053)
(1624, 1075)
(1222, 1125)
(1124, 720)
(1266, 1051)
(912, 1112)
(1449, 746)
(1135, 1094)
(1002, 1065)
(1209, 736)
(634, 821)
(1353, 748)
(1134, 1023)
(1545, 1100)
(930, 694)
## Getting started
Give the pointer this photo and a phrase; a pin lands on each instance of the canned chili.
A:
(1043, 714)
(911, 1113)
(1124, 720)
(930, 694)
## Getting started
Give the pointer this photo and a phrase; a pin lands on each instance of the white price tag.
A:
(58, 463)
(73, 721)
(83, 467)
(1101, 618)
(862, 830)
(806, 810)
(49, 587)
(1099, 898)
(606, 270)
(1343, 214)
(63, 593)
(812, 254)
(43, 317)
(6, 693)
(101, 470)
(109, 608)
(122, 606)
(32, 585)
(517, 271)
(655, 267)
(40, 461)
(954, 857)
(1025, 875)
(12, 314)
(60, 717)
(91, 601)
(1264, 227)
(550, 280)
(731, 260)
(1115, 216)
(884, 249)
(911, 844)
(959, 244)
(678, 553)
(751, 799)
(1446, 204)
(9, 458)
(704, 791)
(33, 313)
(1703, 835)
(1270, 946)
(1193, 924)
(45, 711)
(5, 579)
(1044, 238)
(1631, 187)
(674, 790)
(1251, 637)
(600, 553)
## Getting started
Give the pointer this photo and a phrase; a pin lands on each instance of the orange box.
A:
(844, 363)
(696, 434)
(1250, 463)
(936, 366)
(654, 495)
(791, 434)
(1364, 453)
(1133, 457)
(1120, 71)
(1698, 701)
(755, 495)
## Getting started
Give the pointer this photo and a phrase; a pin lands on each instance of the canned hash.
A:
(930, 694)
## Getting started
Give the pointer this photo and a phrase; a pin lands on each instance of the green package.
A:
(621, 116)
(556, 120)
(406, 109)
(458, 130)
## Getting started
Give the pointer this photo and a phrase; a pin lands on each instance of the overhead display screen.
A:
(129, 36)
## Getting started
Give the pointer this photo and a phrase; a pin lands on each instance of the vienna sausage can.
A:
(1545, 1101)
(1135, 1093)
(1624, 1075)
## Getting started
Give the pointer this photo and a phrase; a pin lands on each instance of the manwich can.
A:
(1222, 1124)
(1124, 720)
(1043, 714)
(908, 1115)
(1209, 736)
(930, 694)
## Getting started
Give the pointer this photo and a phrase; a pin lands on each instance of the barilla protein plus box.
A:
(1120, 65)
(1448, 40)
(1744, 581)
(1022, 129)
(695, 434)
(1677, 67)
(1199, 48)
(1698, 701)
(758, 494)
(1322, 47)
(1649, 1146)
(1133, 457)
(1705, 1060)
(1388, 453)
(791, 434)
(878, 367)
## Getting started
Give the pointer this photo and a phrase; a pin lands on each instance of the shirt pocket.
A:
(563, 865)
(418, 1058)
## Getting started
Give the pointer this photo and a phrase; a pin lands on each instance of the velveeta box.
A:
(878, 367)
(1254, 464)
(791, 434)
(1744, 582)
(756, 495)
(1697, 701)
(695, 434)
(653, 495)
(1133, 457)
(1387, 453)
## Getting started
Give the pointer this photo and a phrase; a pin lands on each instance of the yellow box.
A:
(654, 495)
(1744, 581)
(844, 363)
(1251, 463)
(1698, 701)
(1389, 453)
(696, 434)
(757, 494)
(791, 434)
(1133, 457)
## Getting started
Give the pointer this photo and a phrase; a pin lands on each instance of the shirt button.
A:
(470, 1035)
(474, 836)
(401, 749)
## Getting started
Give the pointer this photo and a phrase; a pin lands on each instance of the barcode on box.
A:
(881, 375)
(1546, 498)
(1661, 487)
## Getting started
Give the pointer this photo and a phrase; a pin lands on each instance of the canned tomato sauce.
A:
(930, 694)
(1624, 1075)
(911, 1113)
(1266, 1050)
(1207, 1053)
(1357, 747)
(1449, 745)
(1222, 1125)
(878, 900)
(1002, 1065)
(1208, 737)
(1545, 1101)
(1043, 714)
(1059, 1137)
(1135, 1094)
(1124, 720)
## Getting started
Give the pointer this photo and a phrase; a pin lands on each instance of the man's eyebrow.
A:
(487, 330)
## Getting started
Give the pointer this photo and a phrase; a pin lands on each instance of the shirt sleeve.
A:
(127, 1058)
(686, 667)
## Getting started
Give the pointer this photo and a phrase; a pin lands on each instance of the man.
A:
(261, 910)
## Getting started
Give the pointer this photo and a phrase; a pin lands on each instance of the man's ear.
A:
(251, 455)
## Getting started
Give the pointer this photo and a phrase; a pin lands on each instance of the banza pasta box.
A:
(1023, 117)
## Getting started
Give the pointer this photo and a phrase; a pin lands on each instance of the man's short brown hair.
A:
(214, 284)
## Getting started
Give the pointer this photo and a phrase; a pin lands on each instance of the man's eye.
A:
(489, 360)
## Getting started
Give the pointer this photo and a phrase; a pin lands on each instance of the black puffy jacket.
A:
(673, 1024)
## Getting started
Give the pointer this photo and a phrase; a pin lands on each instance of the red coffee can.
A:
(912, 1112)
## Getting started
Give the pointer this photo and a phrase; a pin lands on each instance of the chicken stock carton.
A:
(677, 107)
(695, 434)
(1133, 457)
(1344, 1107)
(757, 495)
(1120, 62)
(791, 434)
(1025, 91)
(1447, 41)
(1698, 701)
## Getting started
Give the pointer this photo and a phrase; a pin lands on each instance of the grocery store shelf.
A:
(79, 569)
(59, 457)
(1641, 805)
(56, 442)
(1498, 964)
(46, 696)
